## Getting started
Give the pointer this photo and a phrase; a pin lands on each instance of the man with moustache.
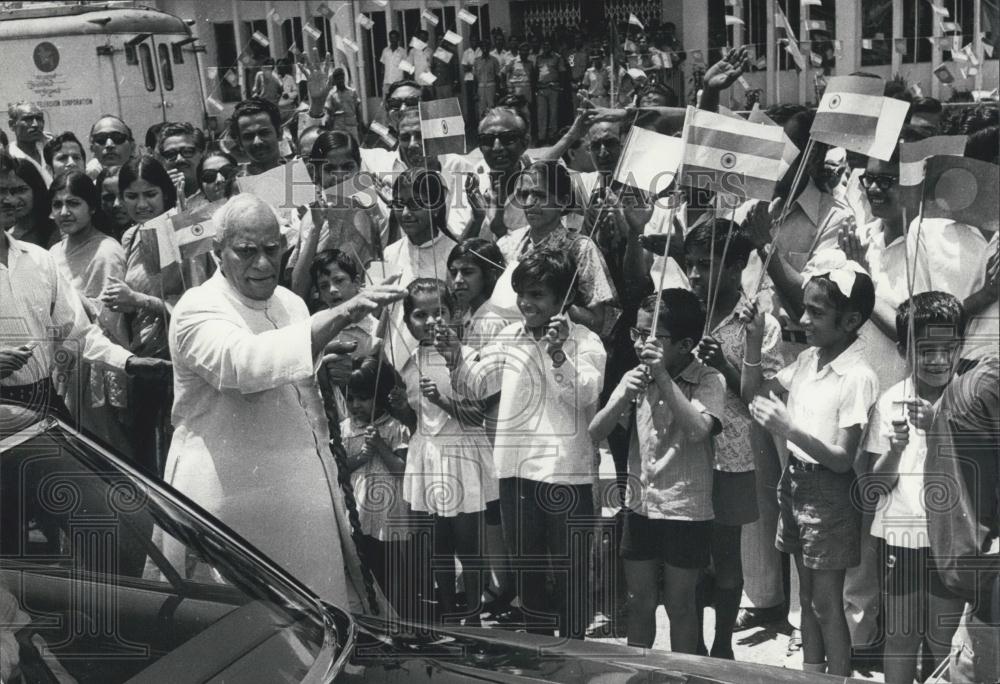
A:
(180, 147)
(256, 128)
(503, 140)
(27, 123)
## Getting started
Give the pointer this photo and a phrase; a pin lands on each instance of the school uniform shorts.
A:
(819, 517)
(680, 543)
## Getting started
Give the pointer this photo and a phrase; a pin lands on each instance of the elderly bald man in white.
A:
(251, 443)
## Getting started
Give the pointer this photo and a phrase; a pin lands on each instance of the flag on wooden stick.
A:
(854, 115)
(734, 156)
(963, 190)
(649, 160)
(442, 127)
(913, 158)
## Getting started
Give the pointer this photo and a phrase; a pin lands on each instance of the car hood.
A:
(462, 654)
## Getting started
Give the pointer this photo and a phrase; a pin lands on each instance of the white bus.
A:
(77, 62)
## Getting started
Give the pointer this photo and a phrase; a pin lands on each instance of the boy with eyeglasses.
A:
(672, 406)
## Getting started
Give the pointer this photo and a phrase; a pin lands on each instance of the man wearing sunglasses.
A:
(111, 143)
(27, 123)
(503, 140)
(180, 147)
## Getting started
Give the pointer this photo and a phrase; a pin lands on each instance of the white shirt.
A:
(951, 257)
(17, 153)
(824, 401)
(888, 272)
(469, 57)
(251, 440)
(421, 60)
(544, 411)
(429, 260)
(41, 307)
(391, 59)
(505, 57)
(900, 515)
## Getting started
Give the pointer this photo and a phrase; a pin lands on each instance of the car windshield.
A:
(87, 592)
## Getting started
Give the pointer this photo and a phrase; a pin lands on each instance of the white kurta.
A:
(251, 440)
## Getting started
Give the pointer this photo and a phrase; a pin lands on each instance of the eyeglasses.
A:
(407, 138)
(885, 182)
(186, 152)
(643, 335)
(211, 175)
(114, 136)
(507, 138)
(398, 103)
(607, 143)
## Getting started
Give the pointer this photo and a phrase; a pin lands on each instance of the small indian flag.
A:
(430, 17)
(728, 154)
(442, 127)
(453, 37)
(194, 232)
(312, 31)
(649, 160)
(364, 21)
(634, 20)
(913, 161)
(854, 115)
(467, 16)
(260, 38)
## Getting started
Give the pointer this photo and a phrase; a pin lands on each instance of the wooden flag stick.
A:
(785, 210)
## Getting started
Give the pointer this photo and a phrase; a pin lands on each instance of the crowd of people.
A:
(401, 392)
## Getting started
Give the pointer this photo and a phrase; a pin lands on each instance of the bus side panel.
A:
(47, 72)
(185, 103)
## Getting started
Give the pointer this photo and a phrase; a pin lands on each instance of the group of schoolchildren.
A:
(480, 444)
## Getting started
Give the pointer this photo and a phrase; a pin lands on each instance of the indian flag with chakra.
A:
(853, 114)
(442, 127)
(730, 155)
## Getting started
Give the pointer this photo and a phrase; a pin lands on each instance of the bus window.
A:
(166, 69)
(146, 62)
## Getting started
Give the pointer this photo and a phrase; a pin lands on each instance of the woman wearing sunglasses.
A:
(215, 173)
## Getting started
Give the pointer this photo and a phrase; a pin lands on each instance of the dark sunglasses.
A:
(210, 175)
(114, 136)
(883, 181)
(507, 138)
(610, 144)
(396, 103)
(186, 152)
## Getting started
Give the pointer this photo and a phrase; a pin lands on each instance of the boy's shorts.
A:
(907, 571)
(734, 497)
(819, 518)
(679, 543)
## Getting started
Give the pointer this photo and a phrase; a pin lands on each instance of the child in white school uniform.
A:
(830, 391)
(450, 473)
(917, 602)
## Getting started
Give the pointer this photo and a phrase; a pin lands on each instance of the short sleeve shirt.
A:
(733, 453)
(823, 401)
(900, 514)
(682, 490)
